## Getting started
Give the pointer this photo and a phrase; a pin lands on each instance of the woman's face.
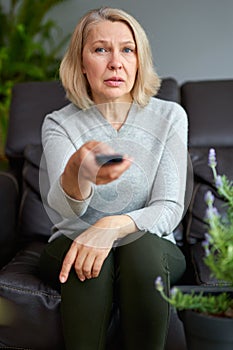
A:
(110, 62)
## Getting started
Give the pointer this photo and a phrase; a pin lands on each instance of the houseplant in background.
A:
(29, 49)
(207, 312)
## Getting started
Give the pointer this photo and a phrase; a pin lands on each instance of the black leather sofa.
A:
(25, 225)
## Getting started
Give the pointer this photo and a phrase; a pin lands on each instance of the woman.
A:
(116, 230)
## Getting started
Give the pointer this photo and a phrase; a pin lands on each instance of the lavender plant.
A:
(219, 239)
(220, 304)
(218, 246)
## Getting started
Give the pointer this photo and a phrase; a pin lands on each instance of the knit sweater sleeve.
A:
(58, 148)
(165, 206)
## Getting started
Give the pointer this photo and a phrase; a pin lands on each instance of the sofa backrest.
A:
(31, 102)
(209, 105)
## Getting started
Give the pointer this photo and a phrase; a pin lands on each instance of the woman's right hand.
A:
(82, 170)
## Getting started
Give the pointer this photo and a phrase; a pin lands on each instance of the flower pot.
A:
(205, 332)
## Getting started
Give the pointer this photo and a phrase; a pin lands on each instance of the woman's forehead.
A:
(107, 30)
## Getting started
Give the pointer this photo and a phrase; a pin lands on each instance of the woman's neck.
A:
(115, 112)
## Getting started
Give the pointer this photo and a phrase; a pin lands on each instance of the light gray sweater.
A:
(151, 191)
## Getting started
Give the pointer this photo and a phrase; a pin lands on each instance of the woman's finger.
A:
(98, 263)
(79, 263)
(68, 262)
(88, 265)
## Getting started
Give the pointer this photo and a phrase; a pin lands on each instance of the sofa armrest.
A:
(9, 194)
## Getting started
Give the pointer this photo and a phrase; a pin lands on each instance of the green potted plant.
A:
(29, 49)
(207, 312)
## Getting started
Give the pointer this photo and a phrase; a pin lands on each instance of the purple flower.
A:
(211, 213)
(174, 291)
(212, 158)
(218, 181)
(159, 284)
(209, 198)
(207, 238)
(205, 245)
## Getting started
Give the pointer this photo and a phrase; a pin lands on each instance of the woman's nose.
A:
(115, 61)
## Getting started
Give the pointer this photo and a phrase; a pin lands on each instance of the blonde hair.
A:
(74, 81)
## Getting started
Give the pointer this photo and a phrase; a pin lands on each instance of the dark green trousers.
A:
(128, 274)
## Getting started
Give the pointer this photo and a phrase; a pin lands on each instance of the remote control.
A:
(108, 159)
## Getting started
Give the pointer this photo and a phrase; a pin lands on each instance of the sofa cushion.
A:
(202, 272)
(36, 321)
(9, 197)
(31, 101)
(35, 217)
(169, 90)
(209, 107)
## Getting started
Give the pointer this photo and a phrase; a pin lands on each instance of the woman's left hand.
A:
(89, 250)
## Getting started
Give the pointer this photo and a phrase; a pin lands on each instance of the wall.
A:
(190, 39)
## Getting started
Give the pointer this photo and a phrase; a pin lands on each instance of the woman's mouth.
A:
(114, 81)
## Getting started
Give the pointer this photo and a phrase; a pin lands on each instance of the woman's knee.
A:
(150, 256)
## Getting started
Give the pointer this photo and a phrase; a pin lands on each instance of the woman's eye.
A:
(128, 50)
(100, 49)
